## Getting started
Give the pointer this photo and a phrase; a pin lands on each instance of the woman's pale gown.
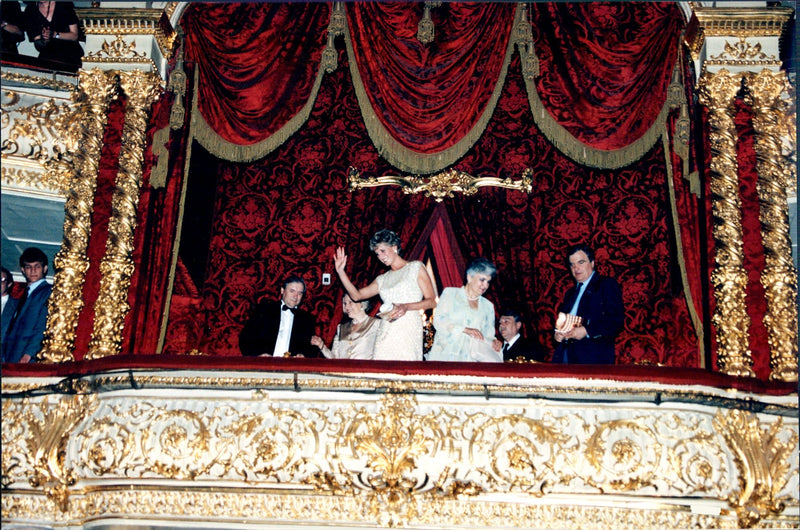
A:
(400, 340)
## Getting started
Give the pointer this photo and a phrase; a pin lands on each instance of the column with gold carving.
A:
(96, 90)
(116, 268)
(717, 92)
(779, 277)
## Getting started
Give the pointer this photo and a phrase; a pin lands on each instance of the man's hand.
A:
(576, 333)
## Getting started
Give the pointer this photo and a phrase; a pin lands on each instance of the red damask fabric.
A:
(752, 245)
(288, 212)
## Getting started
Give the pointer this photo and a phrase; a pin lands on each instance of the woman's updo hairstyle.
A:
(385, 236)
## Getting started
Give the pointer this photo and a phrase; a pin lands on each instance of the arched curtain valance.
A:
(425, 105)
(605, 68)
(600, 96)
(258, 69)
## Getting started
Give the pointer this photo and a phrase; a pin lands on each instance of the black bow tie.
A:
(287, 308)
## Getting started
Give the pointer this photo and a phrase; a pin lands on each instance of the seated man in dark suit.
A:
(26, 330)
(278, 327)
(515, 346)
(597, 302)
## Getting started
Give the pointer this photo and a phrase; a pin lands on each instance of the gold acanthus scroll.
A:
(442, 184)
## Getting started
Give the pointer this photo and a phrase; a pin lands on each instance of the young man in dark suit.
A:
(515, 346)
(278, 327)
(26, 330)
(597, 301)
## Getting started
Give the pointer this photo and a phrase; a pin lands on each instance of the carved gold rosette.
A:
(392, 455)
(717, 92)
(141, 89)
(779, 277)
(96, 89)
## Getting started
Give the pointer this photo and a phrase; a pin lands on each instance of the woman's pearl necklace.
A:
(357, 322)
(469, 298)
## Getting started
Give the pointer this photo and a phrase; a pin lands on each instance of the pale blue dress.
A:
(452, 314)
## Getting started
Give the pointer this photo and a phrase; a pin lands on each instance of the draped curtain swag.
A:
(601, 97)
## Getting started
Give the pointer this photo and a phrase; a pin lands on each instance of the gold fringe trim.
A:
(407, 159)
(225, 150)
(676, 228)
(578, 151)
(158, 175)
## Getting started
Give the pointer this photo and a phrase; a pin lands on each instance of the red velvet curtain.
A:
(286, 214)
(428, 96)
(257, 63)
(157, 221)
(605, 66)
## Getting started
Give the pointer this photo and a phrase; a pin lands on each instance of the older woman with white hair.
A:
(464, 319)
(355, 338)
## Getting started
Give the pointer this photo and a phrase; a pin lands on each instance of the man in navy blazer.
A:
(26, 329)
(278, 327)
(597, 300)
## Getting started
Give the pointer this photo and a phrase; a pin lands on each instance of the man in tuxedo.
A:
(597, 301)
(26, 330)
(515, 346)
(279, 327)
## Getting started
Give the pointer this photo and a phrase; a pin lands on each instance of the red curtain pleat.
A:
(157, 226)
(605, 66)
(429, 96)
(257, 63)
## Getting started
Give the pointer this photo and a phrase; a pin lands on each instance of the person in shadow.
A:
(515, 346)
(9, 306)
(11, 26)
(53, 29)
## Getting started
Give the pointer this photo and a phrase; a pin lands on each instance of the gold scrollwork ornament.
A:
(441, 185)
(97, 89)
(762, 458)
(717, 92)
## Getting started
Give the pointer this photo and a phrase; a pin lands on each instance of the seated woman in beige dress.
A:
(355, 339)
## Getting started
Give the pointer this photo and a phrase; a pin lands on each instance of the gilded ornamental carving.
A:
(403, 457)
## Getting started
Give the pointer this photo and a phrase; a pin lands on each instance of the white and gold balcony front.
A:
(348, 448)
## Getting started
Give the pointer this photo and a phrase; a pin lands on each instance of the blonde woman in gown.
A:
(405, 290)
(355, 339)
